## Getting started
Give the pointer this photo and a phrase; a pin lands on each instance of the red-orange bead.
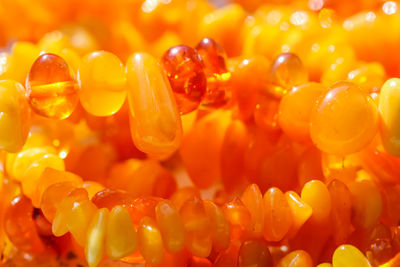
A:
(50, 87)
(253, 200)
(185, 71)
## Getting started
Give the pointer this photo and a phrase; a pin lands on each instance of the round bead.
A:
(50, 87)
(102, 80)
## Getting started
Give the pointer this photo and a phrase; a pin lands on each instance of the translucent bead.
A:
(301, 211)
(183, 194)
(297, 258)
(121, 236)
(349, 256)
(278, 215)
(295, 110)
(95, 244)
(155, 123)
(254, 253)
(316, 194)
(238, 216)
(253, 200)
(79, 219)
(344, 121)
(171, 226)
(185, 71)
(389, 103)
(102, 83)
(15, 116)
(219, 226)
(50, 87)
(370, 77)
(324, 265)
(150, 241)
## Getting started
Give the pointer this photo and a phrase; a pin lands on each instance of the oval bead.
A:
(349, 256)
(253, 200)
(154, 119)
(219, 225)
(150, 241)
(94, 247)
(297, 258)
(316, 194)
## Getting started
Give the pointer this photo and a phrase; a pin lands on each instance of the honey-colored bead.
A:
(15, 116)
(219, 226)
(102, 83)
(79, 219)
(344, 121)
(121, 236)
(155, 123)
(297, 258)
(96, 232)
(324, 265)
(50, 87)
(185, 71)
(253, 200)
(254, 253)
(316, 195)
(349, 256)
(150, 241)
(301, 211)
(238, 216)
(278, 215)
(369, 77)
(171, 226)
(389, 103)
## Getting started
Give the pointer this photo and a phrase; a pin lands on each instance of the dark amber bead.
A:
(185, 71)
(218, 77)
(254, 253)
(50, 87)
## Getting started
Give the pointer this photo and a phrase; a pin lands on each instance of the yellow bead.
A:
(102, 80)
(79, 218)
(155, 123)
(316, 194)
(121, 237)
(94, 247)
(150, 241)
(389, 106)
(14, 116)
(17, 164)
(349, 256)
(324, 265)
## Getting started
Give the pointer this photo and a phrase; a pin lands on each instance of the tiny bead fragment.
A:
(154, 119)
(171, 226)
(94, 247)
(297, 258)
(316, 194)
(389, 104)
(102, 81)
(121, 236)
(349, 256)
(253, 200)
(254, 253)
(150, 241)
(219, 226)
(15, 118)
(185, 71)
(301, 211)
(344, 121)
(50, 87)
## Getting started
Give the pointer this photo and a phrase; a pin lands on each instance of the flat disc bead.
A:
(102, 81)
(344, 121)
(185, 71)
(50, 87)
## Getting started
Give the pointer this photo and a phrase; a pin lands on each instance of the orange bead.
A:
(183, 194)
(150, 241)
(295, 110)
(253, 200)
(266, 113)
(219, 226)
(197, 226)
(337, 126)
(238, 216)
(316, 195)
(229, 256)
(171, 226)
(20, 226)
(297, 258)
(50, 87)
(199, 262)
(254, 253)
(155, 123)
(218, 77)
(278, 215)
(300, 210)
(185, 71)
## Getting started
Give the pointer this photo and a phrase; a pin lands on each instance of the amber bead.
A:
(253, 200)
(185, 71)
(348, 255)
(254, 253)
(150, 241)
(300, 210)
(218, 77)
(96, 233)
(239, 218)
(220, 231)
(297, 258)
(50, 87)
(316, 194)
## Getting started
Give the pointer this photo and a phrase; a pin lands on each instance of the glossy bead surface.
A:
(185, 71)
(79, 219)
(238, 216)
(348, 255)
(102, 83)
(15, 118)
(150, 241)
(154, 119)
(254, 253)
(344, 121)
(219, 225)
(300, 210)
(50, 87)
(297, 258)
(95, 247)
(253, 200)
(316, 195)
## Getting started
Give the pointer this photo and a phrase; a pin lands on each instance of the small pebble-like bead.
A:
(79, 219)
(96, 232)
(102, 83)
(15, 116)
(316, 194)
(349, 256)
(150, 241)
(278, 215)
(185, 71)
(301, 211)
(219, 226)
(154, 119)
(369, 77)
(238, 216)
(171, 226)
(121, 236)
(344, 121)
(297, 258)
(389, 103)
(253, 200)
(254, 253)
(50, 87)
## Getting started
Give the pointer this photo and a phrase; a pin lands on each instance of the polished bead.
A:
(254, 253)
(50, 87)
(219, 226)
(238, 216)
(185, 71)
(300, 210)
(349, 256)
(96, 232)
(316, 195)
(150, 241)
(297, 258)
(253, 200)
(79, 219)
(15, 116)
(102, 83)
(155, 123)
